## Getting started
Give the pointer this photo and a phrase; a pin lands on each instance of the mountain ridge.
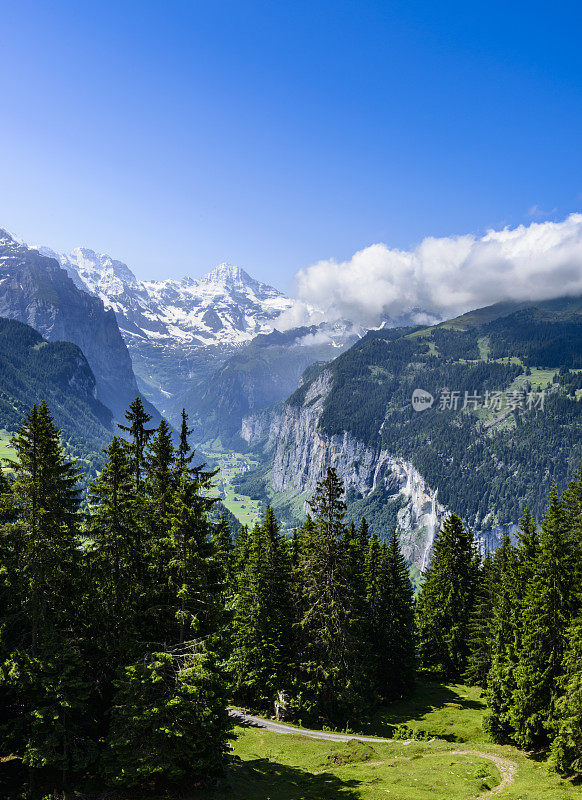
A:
(36, 290)
(404, 469)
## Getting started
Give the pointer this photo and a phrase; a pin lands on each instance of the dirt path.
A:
(507, 768)
(279, 727)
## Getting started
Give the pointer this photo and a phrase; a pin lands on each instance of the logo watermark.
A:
(421, 400)
(508, 400)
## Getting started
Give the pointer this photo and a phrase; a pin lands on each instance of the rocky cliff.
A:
(301, 455)
(34, 289)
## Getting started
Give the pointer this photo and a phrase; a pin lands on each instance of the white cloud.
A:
(445, 276)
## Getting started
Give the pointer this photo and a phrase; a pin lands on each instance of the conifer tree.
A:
(159, 468)
(193, 569)
(44, 673)
(139, 435)
(169, 725)
(503, 634)
(116, 557)
(47, 507)
(479, 631)
(330, 673)
(567, 744)
(224, 549)
(549, 606)
(445, 600)
(397, 664)
(261, 624)
(184, 455)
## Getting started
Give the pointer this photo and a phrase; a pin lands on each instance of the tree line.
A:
(129, 619)
(512, 623)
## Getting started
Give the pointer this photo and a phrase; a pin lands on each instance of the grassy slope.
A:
(287, 767)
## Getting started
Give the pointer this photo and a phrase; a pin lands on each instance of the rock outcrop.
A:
(301, 455)
(34, 289)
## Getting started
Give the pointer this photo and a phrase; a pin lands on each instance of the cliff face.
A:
(34, 289)
(301, 456)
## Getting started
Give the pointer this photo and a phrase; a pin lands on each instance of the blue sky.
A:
(275, 134)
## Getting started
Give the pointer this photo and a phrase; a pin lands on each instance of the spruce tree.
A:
(139, 435)
(567, 744)
(549, 606)
(184, 455)
(115, 556)
(503, 638)
(159, 468)
(480, 625)
(44, 673)
(193, 570)
(397, 664)
(47, 500)
(169, 726)
(445, 600)
(261, 624)
(331, 676)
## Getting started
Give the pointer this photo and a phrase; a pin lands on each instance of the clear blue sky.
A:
(272, 134)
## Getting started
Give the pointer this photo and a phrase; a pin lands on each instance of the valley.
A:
(232, 465)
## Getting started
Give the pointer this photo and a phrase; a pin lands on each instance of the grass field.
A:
(5, 450)
(231, 465)
(457, 764)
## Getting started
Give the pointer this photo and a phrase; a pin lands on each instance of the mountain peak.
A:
(228, 275)
(87, 260)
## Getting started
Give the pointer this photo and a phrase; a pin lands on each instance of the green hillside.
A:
(458, 762)
(264, 372)
(483, 459)
(31, 370)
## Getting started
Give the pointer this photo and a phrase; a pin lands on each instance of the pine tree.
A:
(549, 606)
(139, 435)
(261, 625)
(445, 600)
(567, 744)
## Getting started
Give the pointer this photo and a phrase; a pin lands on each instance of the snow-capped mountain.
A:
(225, 307)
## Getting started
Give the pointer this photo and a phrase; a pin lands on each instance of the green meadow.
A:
(444, 755)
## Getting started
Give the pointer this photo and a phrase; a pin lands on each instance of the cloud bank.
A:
(443, 276)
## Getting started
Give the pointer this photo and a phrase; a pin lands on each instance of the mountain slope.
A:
(32, 369)
(257, 376)
(207, 345)
(34, 289)
(178, 331)
(405, 468)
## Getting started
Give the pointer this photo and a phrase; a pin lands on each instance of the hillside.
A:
(264, 372)
(206, 344)
(440, 751)
(34, 289)
(32, 369)
(405, 468)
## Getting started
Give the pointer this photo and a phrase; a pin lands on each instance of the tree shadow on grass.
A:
(427, 697)
(263, 778)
